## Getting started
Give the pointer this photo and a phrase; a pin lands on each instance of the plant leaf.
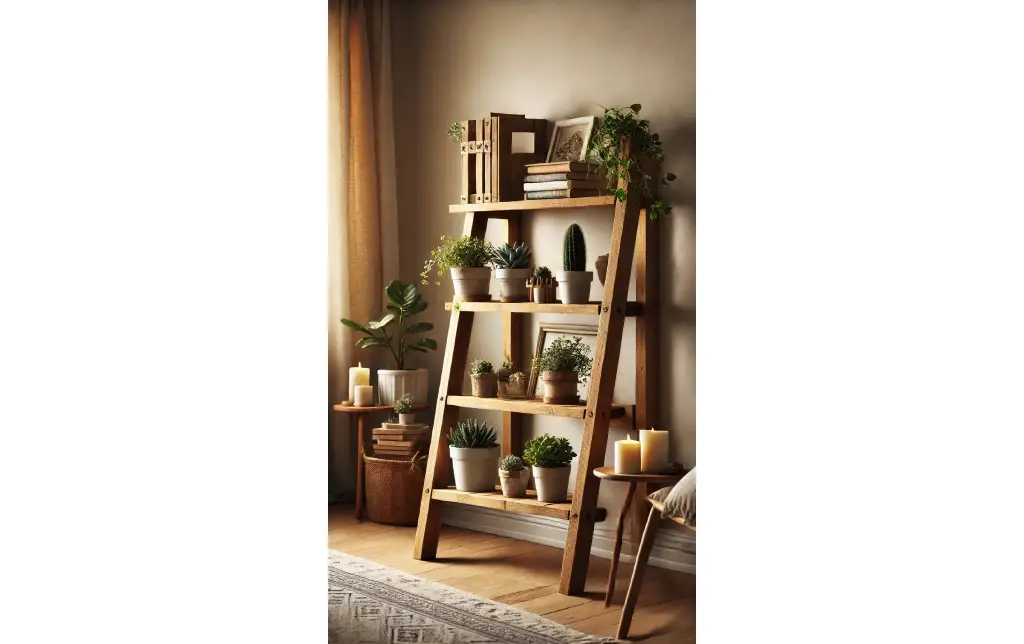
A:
(419, 327)
(428, 343)
(670, 176)
(354, 325)
(370, 341)
(394, 292)
(384, 321)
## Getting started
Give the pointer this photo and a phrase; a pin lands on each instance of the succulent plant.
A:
(574, 249)
(481, 366)
(516, 376)
(403, 405)
(472, 433)
(549, 451)
(511, 256)
(542, 272)
(511, 463)
(506, 368)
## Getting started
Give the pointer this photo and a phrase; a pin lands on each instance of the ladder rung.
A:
(535, 406)
(633, 309)
(497, 501)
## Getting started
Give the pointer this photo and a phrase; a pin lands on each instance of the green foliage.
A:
(542, 272)
(564, 354)
(574, 249)
(549, 451)
(507, 367)
(511, 463)
(403, 301)
(516, 376)
(403, 405)
(606, 149)
(481, 366)
(464, 252)
(455, 131)
(472, 433)
(515, 255)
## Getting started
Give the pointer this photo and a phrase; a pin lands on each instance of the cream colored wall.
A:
(460, 59)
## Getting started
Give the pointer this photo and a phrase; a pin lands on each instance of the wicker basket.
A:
(393, 489)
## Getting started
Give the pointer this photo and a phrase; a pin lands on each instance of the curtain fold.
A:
(362, 207)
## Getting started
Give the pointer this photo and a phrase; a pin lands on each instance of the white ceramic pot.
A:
(552, 483)
(512, 284)
(560, 387)
(474, 468)
(406, 419)
(471, 284)
(392, 384)
(513, 484)
(574, 286)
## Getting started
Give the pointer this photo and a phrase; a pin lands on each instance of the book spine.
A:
(541, 178)
(547, 185)
(547, 194)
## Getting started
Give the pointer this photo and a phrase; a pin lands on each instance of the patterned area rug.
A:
(368, 602)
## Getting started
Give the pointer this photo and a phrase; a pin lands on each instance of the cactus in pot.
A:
(483, 379)
(574, 280)
(541, 285)
(511, 269)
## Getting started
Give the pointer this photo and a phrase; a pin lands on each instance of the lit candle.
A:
(653, 450)
(627, 456)
(364, 395)
(357, 376)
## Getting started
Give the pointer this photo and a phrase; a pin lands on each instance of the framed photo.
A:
(548, 332)
(570, 139)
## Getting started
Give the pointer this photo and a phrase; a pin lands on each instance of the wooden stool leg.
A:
(618, 544)
(646, 543)
(360, 471)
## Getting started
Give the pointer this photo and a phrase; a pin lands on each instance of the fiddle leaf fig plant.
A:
(404, 301)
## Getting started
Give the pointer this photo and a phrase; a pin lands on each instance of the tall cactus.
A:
(574, 249)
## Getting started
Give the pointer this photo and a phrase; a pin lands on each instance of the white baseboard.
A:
(673, 549)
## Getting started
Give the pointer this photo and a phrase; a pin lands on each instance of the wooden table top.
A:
(608, 472)
(352, 409)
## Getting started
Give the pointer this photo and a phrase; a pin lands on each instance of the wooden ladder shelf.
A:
(630, 230)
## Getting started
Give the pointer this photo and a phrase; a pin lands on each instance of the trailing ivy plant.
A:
(606, 149)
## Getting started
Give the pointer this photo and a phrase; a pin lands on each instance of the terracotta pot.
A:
(472, 284)
(474, 468)
(485, 385)
(574, 286)
(552, 483)
(560, 387)
(392, 384)
(512, 388)
(512, 284)
(513, 484)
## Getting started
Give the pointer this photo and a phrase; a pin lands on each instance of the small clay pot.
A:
(485, 385)
(560, 387)
(513, 484)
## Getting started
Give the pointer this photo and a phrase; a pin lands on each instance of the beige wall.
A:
(460, 59)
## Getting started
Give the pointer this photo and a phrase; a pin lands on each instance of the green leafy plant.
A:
(511, 256)
(606, 148)
(455, 131)
(507, 367)
(511, 463)
(481, 366)
(542, 272)
(464, 252)
(549, 451)
(564, 354)
(403, 405)
(472, 433)
(574, 249)
(404, 301)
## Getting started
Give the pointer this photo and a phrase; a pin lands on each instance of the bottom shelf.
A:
(497, 501)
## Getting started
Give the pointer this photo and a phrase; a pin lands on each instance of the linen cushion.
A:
(680, 500)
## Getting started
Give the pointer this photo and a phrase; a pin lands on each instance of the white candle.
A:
(653, 450)
(627, 456)
(364, 395)
(357, 376)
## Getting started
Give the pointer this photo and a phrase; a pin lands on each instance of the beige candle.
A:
(364, 395)
(653, 450)
(357, 376)
(627, 456)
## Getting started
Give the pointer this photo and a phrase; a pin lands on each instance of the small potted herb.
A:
(511, 269)
(574, 280)
(542, 287)
(403, 407)
(550, 457)
(514, 476)
(467, 259)
(563, 364)
(511, 382)
(483, 378)
(474, 451)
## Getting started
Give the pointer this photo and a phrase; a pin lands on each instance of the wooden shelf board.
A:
(534, 204)
(496, 501)
(590, 308)
(534, 406)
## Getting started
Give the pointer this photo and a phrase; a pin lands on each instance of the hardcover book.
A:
(563, 176)
(562, 194)
(561, 166)
(562, 185)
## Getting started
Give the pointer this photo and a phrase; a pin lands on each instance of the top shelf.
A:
(535, 204)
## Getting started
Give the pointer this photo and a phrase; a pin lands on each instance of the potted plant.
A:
(474, 452)
(550, 457)
(563, 364)
(483, 378)
(403, 407)
(511, 382)
(574, 280)
(511, 268)
(404, 301)
(541, 285)
(514, 476)
(467, 258)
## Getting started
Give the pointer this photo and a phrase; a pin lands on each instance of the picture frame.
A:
(565, 145)
(582, 330)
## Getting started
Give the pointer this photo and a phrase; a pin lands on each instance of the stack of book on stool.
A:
(393, 439)
(563, 179)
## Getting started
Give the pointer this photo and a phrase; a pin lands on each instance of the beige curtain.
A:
(362, 210)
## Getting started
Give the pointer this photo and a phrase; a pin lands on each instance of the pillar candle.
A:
(653, 450)
(364, 395)
(357, 376)
(627, 456)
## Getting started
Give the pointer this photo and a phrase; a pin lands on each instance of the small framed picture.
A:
(570, 139)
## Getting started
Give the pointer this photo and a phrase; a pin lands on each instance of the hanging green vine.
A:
(606, 149)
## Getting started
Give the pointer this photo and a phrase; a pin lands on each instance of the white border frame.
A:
(589, 120)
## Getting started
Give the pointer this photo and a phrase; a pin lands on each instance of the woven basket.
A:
(393, 489)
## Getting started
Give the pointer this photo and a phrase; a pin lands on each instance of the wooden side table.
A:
(361, 413)
(608, 472)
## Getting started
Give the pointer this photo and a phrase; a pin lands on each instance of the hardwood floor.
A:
(525, 575)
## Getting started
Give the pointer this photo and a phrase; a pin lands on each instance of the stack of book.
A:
(563, 179)
(393, 439)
